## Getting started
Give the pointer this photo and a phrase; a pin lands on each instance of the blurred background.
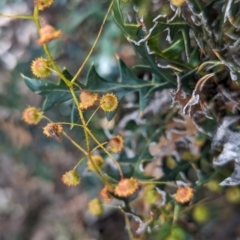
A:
(34, 204)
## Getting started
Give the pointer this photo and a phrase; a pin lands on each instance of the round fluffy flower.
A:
(87, 99)
(184, 194)
(105, 193)
(116, 144)
(95, 207)
(98, 160)
(48, 33)
(32, 115)
(71, 178)
(177, 3)
(200, 214)
(109, 102)
(126, 187)
(41, 67)
(42, 4)
(53, 130)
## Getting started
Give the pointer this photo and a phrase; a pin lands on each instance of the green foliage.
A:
(192, 51)
(54, 93)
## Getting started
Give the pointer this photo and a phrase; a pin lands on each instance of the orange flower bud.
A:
(53, 130)
(126, 187)
(116, 144)
(32, 115)
(48, 33)
(105, 193)
(184, 194)
(87, 99)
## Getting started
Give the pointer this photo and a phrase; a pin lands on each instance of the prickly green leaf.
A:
(127, 83)
(146, 43)
(128, 29)
(175, 50)
(54, 93)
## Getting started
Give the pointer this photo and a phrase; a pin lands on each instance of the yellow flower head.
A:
(116, 144)
(32, 115)
(48, 33)
(42, 4)
(71, 178)
(53, 130)
(98, 160)
(184, 194)
(87, 99)
(109, 102)
(41, 67)
(126, 187)
(177, 3)
(95, 207)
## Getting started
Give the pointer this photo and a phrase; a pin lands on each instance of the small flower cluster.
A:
(53, 130)
(116, 144)
(87, 99)
(42, 4)
(184, 194)
(95, 163)
(32, 115)
(41, 67)
(48, 33)
(108, 101)
(71, 178)
(126, 187)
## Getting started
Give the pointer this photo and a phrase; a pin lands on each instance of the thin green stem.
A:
(36, 18)
(82, 119)
(93, 46)
(86, 131)
(214, 63)
(158, 182)
(105, 150)
(186, 44)
(99, 146)
(75, 143)
(176, 212)
(93, 115)
(26, 17)
(79, 162)
(128, 226)
(69, 138)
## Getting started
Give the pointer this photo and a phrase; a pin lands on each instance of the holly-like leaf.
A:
(54, 93)
(128, 83)
(146, 43)
(128, 29)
